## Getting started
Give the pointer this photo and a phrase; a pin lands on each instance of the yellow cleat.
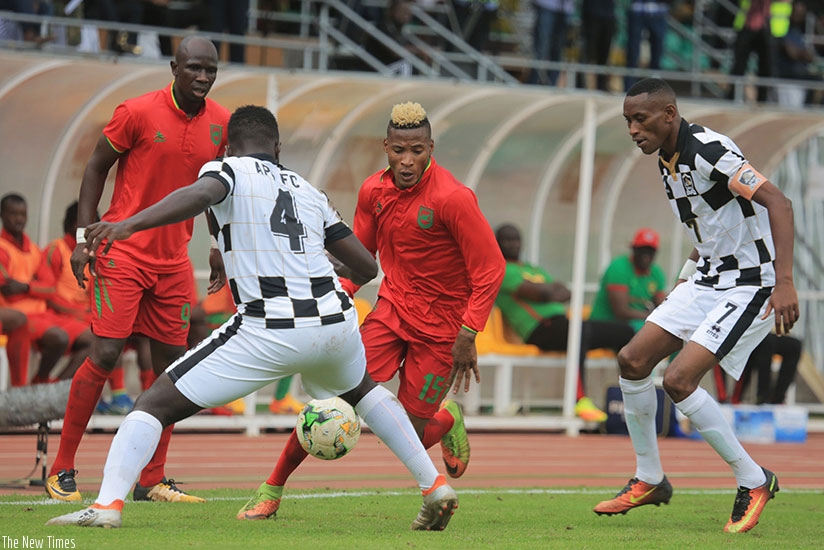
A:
(63, 487)
(287, 405)
(165, 491)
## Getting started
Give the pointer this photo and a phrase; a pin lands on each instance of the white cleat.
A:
(90, 517)
(438, 507)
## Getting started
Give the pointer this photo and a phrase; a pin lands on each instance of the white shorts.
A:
(243, 356)
(726, 322)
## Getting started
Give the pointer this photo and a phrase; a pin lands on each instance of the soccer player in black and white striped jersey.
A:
(736, 284)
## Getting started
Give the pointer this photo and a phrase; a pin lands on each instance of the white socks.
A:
(387, 418)
(132, 448)
(640, 405)
(706, 415)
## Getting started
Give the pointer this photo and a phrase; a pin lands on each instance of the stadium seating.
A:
(496, 350)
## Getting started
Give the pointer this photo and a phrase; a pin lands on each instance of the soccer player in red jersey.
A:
(442, 270)
(144, 285)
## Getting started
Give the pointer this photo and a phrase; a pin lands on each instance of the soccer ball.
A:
(328, 428)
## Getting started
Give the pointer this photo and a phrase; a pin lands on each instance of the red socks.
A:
(291, 457)
(147, 378)
(437, 427)
(18, 349)
(87, 385)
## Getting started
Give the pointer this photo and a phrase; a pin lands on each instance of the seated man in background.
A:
(26, 286)
(15, 326)
(632, 285)
(760, 362)
(534, 306)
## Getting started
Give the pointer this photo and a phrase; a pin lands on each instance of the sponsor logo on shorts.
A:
(714, 332)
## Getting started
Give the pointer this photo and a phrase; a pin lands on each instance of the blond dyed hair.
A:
(408, 115)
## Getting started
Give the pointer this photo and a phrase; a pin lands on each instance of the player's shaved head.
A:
(655, 88)
(195, 46)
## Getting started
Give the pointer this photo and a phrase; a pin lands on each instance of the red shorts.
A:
(39, 323)
(423, 365)
(127, 298)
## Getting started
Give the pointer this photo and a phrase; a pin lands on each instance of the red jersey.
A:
(163, 150)
(442, 265)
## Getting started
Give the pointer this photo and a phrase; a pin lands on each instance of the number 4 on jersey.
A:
(284, 221)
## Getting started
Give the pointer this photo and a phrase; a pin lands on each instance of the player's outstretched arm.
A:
(180, 205)
(784, 300)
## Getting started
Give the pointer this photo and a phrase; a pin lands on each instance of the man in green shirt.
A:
(533, 304)
(632, 285)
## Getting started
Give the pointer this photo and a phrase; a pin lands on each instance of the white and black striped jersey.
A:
(273, 226)
(710, 185)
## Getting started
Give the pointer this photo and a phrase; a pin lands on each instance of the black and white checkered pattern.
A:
(731, 233)
(273, 226)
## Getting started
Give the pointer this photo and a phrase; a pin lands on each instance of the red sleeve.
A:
(365, 230)
(120, 129)
(481, 254)
(364, 226)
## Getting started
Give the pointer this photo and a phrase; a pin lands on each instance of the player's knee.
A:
(677, 385)
(633, 364)
(105, 353)
(354, 396)
(55, 340)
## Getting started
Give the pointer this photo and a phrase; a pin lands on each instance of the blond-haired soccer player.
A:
(442, 270)
(736, 285)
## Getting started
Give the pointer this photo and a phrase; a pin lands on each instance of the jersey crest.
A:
(426, 217)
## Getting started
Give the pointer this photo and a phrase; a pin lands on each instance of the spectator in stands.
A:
(120, 11)
(230, 16)
(649, 16)
(26, 286)
(598, 23)
(532, 303)
(475, 19)
(27, 32)
(395, 18)
(753, 36)
(796, 57)
(632, 285)
(760, 362)
(549, 36)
